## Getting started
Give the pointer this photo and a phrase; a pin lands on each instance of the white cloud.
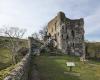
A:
(33, 14)
(92, 22)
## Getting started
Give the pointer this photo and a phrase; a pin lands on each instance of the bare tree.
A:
(14, 35)
(35, 36)
(43, 32)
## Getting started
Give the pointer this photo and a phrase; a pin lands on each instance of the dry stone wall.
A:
(21, 71)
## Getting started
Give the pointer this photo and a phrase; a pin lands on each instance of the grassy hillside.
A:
(5, 54)
(93, 49)
(54, 68)
(22, 42)
(5, 58)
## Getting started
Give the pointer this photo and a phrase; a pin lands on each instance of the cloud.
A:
(92, 25)
(34, 14)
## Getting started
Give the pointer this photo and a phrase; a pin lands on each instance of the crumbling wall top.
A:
(61, 18)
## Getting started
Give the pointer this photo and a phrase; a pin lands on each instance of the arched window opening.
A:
(52, 29)
(67, 37)
(63, 27)
(62, 36)
(73, 44)
(73, 34)
(66, 29)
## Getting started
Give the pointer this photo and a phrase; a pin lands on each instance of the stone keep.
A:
(69, 34)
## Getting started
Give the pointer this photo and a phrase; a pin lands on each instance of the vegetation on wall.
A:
(6, 64)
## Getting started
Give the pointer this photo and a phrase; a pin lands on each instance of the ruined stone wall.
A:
(54, 24)
(73, 36)
(21, 71)
(35, 46)
(68, 33)
(54, 28)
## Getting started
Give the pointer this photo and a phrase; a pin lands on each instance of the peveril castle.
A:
(68, 34)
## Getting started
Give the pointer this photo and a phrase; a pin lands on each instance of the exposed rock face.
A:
(69, 34)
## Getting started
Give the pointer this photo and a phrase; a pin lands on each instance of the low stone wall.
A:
(21, 71)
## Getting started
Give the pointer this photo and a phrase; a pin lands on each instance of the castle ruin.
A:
(68, 34)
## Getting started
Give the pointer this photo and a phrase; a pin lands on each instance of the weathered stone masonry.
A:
(21, 71)
(69, 34)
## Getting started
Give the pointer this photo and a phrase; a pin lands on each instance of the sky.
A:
(34, 14)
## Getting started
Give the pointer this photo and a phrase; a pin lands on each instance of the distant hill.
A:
(23, 42)
(93, 49)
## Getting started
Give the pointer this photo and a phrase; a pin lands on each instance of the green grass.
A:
(5, 72)
(5, 54)
(5, 58)
(5, 62)
(53, 68)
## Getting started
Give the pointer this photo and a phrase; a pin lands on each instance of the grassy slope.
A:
(5, 61)
(53, 68)
(91, 49)
(5, 72)
(5, 58)
(5, 54)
